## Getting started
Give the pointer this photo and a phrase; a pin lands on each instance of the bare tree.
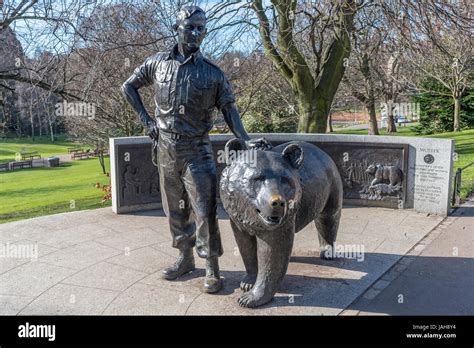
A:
(313, 71)
(367, 41)
(438, 41)
(95, 46)
(389, 76)
(53, 23)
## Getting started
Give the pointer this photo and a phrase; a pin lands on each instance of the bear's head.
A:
(261, 189)
(371, 169)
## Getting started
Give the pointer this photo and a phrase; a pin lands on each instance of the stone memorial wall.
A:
(392, 172)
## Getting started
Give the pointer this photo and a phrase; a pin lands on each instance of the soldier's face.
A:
(192, 31)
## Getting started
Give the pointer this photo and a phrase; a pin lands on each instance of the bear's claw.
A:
(247, 283)
(253, 298)
(247, 300)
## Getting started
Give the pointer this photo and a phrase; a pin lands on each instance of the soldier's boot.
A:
(183, 264)
(213, 282)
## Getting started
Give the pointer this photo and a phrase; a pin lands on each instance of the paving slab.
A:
(12, 305)
(33, 251)
(132, 239)
(143, 299)
(105, 276)
(60, 238)
(111, 264)
(80, 256)
(18, 230)
(64, 299)
(32, 278)
(146, 259)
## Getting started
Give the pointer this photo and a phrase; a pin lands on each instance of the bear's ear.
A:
(235, 144)
(293, 153)
(232, 147)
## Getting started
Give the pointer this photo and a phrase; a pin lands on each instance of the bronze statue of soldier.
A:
(187, 88)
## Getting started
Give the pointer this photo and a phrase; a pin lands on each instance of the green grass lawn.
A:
(28, 193)
(464, 149)
(10, 147)
(401, 131)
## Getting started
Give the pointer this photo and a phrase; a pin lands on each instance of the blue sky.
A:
(36, 35)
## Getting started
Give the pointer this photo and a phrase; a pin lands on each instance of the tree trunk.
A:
(100, 154)
(32, 123)
(314, 93)
(18, 125)
(51, 131)
(40, 125)
(313, 114)
(329, 127)
(391, 127)
(457, 109)
(373, 127)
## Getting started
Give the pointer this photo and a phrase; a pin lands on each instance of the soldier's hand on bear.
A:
(260, 143)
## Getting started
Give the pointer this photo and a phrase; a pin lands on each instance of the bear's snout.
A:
(276, 201)
(275, 206)
(272, 209)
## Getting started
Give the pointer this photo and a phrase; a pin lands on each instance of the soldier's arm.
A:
(140, 78)
(130, 91)
(226, 103)
(232, 118)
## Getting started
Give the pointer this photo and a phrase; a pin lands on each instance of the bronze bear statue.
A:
(269, 196)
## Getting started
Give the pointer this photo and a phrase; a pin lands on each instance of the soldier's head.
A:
(191, 27)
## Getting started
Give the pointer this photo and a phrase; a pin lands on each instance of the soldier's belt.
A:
(178, 136)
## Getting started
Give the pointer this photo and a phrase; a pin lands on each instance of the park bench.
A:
(5, 166)
(74, 149)
(22, 164)
(80, 155)
(96, 152)
(30, 155)
(105, 151)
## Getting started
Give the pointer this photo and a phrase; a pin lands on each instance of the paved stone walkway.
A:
(436, 277)
(96, 262)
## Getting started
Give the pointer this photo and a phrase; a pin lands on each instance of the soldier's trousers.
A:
(188, 191)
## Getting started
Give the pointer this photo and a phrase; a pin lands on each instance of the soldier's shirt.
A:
(185, 93)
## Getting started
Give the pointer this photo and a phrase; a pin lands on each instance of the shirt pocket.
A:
(201, 93)
(163, 80)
